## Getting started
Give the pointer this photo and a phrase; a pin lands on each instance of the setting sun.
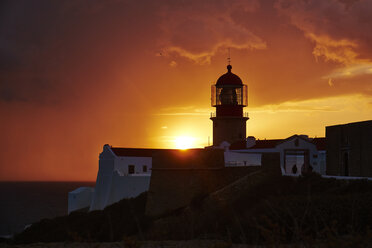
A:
(184, 142)
(151, 86)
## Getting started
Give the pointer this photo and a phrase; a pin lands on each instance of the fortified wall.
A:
(349, 149)
(179, 177)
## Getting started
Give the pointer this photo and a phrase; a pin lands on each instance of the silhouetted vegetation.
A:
(279, 210)
(114, 223)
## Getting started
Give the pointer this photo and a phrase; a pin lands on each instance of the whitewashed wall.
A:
(303, 144)
(122, 164)
(127, 187)
(79, 198)
(242, 159)
(322, 162)
(113, 181)
(104, 179)
(317, 159)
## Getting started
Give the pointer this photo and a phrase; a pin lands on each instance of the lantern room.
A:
(229, 94)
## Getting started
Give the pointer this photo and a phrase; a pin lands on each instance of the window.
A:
(144, 168)
(131, 169)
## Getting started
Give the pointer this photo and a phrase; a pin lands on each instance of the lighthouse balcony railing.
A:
(245, 114)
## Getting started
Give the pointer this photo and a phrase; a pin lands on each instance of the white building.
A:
(123, 173)
(126, 172)
(295, 152)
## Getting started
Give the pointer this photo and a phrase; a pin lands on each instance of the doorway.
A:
(296, 161)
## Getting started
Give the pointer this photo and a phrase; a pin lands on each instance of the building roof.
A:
(271, 143)
(241, 144)
(320, 143)
(134, 152)
(260, 144)
(368, 122)
(197, 158)
(229, 78)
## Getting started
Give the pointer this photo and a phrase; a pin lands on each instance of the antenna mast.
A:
(229, 58)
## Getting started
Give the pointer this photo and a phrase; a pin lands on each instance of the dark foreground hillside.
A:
(271, 211)
(125, 218)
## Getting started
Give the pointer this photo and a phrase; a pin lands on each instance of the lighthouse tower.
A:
(229, 97)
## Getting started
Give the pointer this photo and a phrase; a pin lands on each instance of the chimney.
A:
(251, 141)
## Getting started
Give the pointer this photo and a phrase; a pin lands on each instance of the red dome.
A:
(229, 78)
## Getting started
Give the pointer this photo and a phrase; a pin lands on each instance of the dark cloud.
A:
(197, 30)
(8, 61)
(73, 45)
(340, 28)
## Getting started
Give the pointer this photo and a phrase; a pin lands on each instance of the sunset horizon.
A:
(76, 76)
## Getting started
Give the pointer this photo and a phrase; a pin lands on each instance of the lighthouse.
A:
(229, 97)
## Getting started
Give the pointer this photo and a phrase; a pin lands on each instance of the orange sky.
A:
(76, 75)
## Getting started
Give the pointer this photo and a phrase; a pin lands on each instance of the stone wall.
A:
(349, 149)
(179, 177)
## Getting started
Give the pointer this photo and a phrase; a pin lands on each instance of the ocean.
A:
(24, 203)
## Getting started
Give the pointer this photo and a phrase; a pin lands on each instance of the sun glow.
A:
(184, 142)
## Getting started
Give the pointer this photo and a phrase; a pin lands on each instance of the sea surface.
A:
(24, 203)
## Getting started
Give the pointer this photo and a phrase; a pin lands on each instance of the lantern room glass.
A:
(229, 95)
